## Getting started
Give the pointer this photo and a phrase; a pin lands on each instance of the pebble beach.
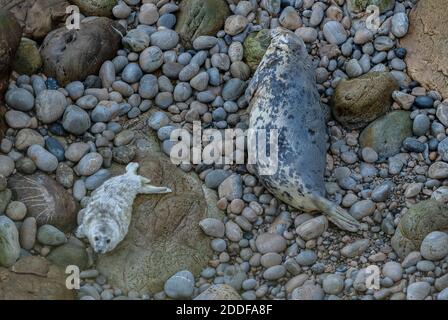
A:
(78, 109)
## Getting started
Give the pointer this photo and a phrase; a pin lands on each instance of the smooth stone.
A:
(19, 99)
(418, 290)
(386, 134)
(43, 159)
(334, 32)
(69, 254)
(50, 105)
(151, 59)
(269, 242)
(55, 148)
(212, 227)
(6, 166)
(76, 151)
(97, 179)
(165, 39)
(89, 164)
(180, 285)
(355, 249)
(49, 235)
(435, 246)
(9, 242)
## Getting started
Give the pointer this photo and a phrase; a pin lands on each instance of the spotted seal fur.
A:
(282, 95)
(106, 218)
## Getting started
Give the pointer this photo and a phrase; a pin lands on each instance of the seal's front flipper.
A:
(132, 168)
(79, 233)
(149, 189)
(336, 214)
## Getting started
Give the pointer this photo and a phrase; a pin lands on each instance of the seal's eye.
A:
(108, 241)
(96, 238)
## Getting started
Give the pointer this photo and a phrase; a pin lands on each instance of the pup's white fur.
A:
(108, 214)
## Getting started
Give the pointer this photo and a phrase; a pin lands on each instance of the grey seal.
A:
(282, 95)
(106, 218)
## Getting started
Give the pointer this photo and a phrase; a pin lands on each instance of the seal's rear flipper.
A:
(336, 214)
(149, 189)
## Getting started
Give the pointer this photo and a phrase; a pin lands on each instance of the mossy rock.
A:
(255, 47)
(421, 219)
(200, 18)
(69, 254)
(28, 60)
(101, 8)
(386, 134)
(358, 6)
(359, 101)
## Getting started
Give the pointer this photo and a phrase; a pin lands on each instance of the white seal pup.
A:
(283, 95)
(106, 218)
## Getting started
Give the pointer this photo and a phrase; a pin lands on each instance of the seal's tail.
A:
(336, 214)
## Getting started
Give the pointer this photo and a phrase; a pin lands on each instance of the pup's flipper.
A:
(149, 189)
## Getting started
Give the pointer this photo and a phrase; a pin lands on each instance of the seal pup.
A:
(282, 95)
(106, 218)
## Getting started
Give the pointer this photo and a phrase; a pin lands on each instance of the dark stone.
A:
(55, 148)
(70, 55)
(413, 145)
(423, 102)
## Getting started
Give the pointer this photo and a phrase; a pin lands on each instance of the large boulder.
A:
(164, 236)
(34, 278)
(421, 219)
(255, 47)
(45, 199)
(37, 18)
(200, 18)
(359, 101)
(95, 7)
(427, 44)
(10, 34)
(386, 134)
(70, 55)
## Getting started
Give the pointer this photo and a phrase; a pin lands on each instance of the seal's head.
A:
(286, 41)
(104, 235)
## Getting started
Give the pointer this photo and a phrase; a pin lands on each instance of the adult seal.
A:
(282, 95)
(106, 218)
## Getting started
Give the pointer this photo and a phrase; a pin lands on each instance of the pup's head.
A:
(104, 236)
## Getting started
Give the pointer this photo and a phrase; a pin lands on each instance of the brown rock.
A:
(427, 44)
(45, 199)
(25, 284)
(70, 55)
(200, 18)
(37, 18)
(164, 236)
(10, 34)
(359, 101)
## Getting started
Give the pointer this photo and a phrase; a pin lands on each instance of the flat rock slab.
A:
(427, 44)
(33, 279)
(164, 236)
